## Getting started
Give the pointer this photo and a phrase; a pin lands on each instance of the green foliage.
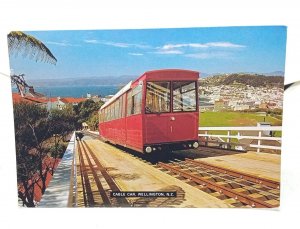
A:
(30, 120)
(93, 121)
(57, 150)
(35, 131)
(87, 111)
(19, 42)
(61, 121)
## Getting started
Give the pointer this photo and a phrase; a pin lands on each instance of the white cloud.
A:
(135, 54)
(224, 45)
(117, 44)
(202, 45)
(210, 55)
(169, 52)
(91, 41)
(63, 43)
(172, 46)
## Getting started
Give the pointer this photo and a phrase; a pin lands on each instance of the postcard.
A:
(159, 118)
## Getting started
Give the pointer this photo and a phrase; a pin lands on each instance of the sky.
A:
(96, 53)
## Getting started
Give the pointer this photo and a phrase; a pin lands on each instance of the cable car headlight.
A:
(195, 145)
(148, 149)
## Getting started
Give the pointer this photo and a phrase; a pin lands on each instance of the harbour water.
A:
(76, 91)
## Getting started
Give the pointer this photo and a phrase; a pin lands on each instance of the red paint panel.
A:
(171, 127)
(184, 126)
(134, 137)
(114, 131)
(157, 128)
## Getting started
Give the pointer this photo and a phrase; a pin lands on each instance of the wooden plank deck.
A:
(132, 174)
(259, 164)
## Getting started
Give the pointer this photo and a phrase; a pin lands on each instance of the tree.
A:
(19, 42)
(31, 131)
(86, 110)
(39, 136)
(93, 121)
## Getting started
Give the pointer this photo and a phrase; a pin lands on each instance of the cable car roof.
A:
(117, 95)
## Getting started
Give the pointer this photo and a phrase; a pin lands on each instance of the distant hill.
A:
(276, 73)
(216, 78)
(255, 80)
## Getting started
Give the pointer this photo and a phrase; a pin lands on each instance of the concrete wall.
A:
(58, 192)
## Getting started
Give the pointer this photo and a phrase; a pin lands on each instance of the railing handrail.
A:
(245, 128)
(261, 130)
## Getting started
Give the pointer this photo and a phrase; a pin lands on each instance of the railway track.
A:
(233, 187)
(236, 188)
(94, 184)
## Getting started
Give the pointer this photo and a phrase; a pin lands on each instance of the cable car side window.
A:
(137, 99)
(158, 97)
(184, 96)
(129, 103)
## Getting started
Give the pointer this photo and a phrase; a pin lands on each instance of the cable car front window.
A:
(184, 96)
(158, 97)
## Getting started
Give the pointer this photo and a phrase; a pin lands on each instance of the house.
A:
(17, 98)
(220, 105)
(61, 103)
(241, 107)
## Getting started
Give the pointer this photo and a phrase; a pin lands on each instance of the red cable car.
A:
(157, 111)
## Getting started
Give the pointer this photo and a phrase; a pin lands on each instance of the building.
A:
(220, 105)
(17, 98)
(61, 103)
(48, 103)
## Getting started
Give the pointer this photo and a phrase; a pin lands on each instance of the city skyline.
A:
(99, 53)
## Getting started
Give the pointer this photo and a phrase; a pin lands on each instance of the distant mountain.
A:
(124, 79)
(204, 75)
(255, 80)
(276, 73)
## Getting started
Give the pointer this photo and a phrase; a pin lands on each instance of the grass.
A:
(234, 119)
(218, 119)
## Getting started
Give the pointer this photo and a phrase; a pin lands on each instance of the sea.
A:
(76, 91)
(82, 91)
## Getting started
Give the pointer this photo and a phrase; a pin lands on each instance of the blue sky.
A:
(97, 53)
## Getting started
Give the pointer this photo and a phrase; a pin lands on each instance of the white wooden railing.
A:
(261, 133)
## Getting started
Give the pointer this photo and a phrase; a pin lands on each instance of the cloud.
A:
(224, 45)
(201, 45)
(168, 52)
(213, 49)
(209, 55)
(91, 41)
(117, 44)
(135, 54)
(63, 43)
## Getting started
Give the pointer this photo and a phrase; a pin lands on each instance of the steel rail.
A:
(214, 176)
(101, 190)
(85, 181)
(218, 188)
(252, 178)
(122, 200)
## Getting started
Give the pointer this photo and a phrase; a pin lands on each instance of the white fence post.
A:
(258, 142)
(228, 139)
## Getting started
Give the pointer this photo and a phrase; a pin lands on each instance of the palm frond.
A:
(29, 46)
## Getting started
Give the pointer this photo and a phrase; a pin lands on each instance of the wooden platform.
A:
(260, 164)
(132, 174)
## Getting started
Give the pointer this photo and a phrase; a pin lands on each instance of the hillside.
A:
(254, 80)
